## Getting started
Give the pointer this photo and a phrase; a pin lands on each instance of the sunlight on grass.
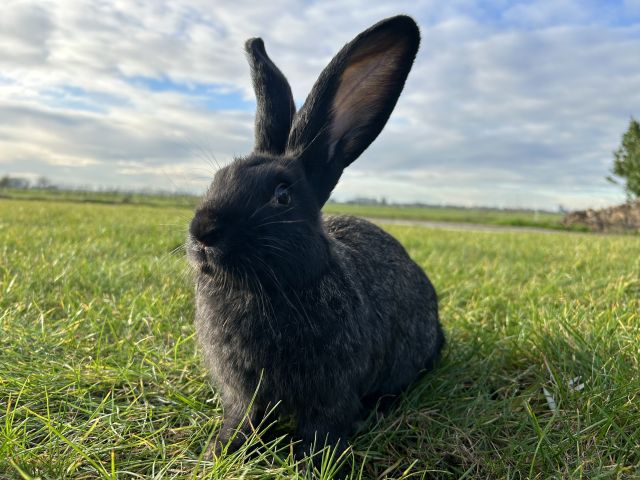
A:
(100, 376)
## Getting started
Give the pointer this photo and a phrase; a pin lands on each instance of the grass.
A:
(107, 197)
(100, 376)
(485, 216)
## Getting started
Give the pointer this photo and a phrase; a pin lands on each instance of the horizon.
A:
(510, 104)
(149, 192)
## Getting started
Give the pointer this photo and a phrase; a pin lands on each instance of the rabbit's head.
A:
(261, 214)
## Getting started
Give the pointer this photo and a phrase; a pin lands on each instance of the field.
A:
(100, 376)
(482, 216)
(485, 216)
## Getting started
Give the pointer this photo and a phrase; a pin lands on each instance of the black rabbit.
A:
(321, 316)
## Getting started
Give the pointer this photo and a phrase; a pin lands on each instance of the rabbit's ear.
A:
(352, 100)
(275, 106)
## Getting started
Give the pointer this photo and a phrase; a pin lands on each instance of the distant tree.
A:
(14, 182)
(43, 182)
(626, 163)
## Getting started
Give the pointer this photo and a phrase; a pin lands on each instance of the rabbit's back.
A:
(401, 299)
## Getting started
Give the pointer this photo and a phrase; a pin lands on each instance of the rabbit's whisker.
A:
(280, 221)
(284, 294)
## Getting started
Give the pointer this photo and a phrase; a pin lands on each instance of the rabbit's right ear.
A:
(275, 106)
(352, 100)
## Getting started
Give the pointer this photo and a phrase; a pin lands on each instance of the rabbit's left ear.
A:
(352, 100)
(275, 106)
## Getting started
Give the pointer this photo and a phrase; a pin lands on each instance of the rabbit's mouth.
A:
(197, 256)
(209, 260)
(202, 260)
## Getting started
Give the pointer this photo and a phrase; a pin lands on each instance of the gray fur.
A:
(319, 316)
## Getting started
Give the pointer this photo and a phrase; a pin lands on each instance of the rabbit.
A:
(318, 316)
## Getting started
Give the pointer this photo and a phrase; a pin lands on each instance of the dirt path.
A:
(472, 227)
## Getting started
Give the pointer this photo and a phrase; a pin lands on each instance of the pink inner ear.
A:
(363, 87)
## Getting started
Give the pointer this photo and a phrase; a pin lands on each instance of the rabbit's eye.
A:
(282, 195)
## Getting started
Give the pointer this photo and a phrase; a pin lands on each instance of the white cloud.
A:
(521, 102)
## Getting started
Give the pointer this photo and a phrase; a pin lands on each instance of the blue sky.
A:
(510, 103)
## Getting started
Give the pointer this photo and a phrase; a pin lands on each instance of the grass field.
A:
(104, 197)
(485, 216)
(100, 376)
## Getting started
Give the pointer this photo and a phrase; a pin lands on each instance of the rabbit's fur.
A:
(319, 316)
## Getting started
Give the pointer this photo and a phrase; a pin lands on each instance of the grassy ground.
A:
(105, 197)
(100, 376)
(484, 216)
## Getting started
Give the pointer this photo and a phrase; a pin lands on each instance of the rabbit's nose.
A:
(206, 230)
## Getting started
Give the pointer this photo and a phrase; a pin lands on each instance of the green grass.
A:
(104, 197)
(100, 376)
(485, 216)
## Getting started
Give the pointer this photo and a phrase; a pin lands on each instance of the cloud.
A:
(509, 103)
(24, 31)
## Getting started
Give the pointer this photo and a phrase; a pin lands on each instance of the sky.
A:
(509, 103)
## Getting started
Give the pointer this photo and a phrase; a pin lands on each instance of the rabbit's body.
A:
(321, 317)
(358, 340)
